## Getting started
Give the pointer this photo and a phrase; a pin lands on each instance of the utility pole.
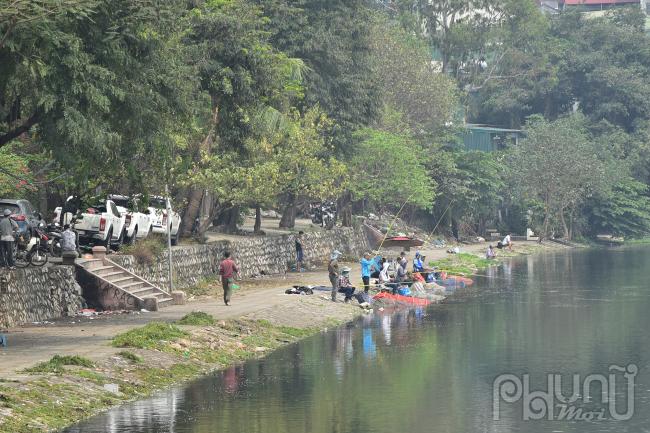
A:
(169, 238)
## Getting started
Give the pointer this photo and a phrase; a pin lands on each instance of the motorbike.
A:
(55, 234)
(32, 251)
(323, 214)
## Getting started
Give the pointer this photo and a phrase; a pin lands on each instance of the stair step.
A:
(131, 285)
(112, 274)
(119, 280)
(90, 264)
(165, 301)
(103, 268)
(144, 291)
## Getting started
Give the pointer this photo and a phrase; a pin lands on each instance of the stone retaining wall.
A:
(38, 294)
(255, 255)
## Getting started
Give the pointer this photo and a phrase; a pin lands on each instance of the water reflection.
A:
(431, 370)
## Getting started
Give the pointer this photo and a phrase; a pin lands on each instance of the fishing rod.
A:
(390, 227)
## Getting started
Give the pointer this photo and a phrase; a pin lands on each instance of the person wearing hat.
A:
(418, 263)
(367, 265)
(333, 271)
(7, 229)
(345, 286)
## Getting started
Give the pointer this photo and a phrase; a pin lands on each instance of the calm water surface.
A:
(433, 370)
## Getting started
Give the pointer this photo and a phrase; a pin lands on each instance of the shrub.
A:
(197, 318)
(146, 251)
(56, 364)
(148, 336)
(130, 356)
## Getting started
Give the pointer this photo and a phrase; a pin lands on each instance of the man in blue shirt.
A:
(418, 265)
(367, 264)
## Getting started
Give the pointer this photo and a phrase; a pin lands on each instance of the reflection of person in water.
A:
(369, 348)
(231, 380)
(386, 322)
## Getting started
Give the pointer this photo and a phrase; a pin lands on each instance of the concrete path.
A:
(90, 336)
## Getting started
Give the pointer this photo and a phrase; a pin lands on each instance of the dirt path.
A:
(262, 298)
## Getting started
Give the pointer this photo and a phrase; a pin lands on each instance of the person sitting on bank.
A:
(377, 266)
(506, 243)
(345, 286)
(68, 240)
(490, 253)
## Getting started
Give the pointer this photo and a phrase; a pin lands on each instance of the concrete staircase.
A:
(121, 289)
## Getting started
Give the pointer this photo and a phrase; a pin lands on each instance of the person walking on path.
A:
(333, 271)
(299, 251)
(367, 264)
(227, 270)
(7, 229)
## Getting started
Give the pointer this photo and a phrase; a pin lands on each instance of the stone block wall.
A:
(265, 255)
(38, 294)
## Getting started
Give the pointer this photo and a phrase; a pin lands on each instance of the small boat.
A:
(377, 238)
(402, 242)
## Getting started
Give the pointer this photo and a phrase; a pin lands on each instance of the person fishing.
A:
(345, 286)
(333, 272)
(367, 265)
(418, 264)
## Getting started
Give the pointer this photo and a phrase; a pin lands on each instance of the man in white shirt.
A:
(68, 239)
(507, 242)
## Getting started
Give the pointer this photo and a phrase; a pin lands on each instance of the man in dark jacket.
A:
(333, 271)
(8, 227)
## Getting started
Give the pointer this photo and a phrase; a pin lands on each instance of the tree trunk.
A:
(257, 228)
(288, 220)
(233, 219)
(195, 195)
(345, 205)
(565, 227)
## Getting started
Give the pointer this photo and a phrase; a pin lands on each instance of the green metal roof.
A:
(490, 128)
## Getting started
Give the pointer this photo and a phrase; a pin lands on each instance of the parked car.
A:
(160, 220)
(138, 224)
(24, 214)
(102, 224)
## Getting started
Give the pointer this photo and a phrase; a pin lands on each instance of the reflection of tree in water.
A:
(437, 367)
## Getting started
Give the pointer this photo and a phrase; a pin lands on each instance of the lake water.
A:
(434, 370)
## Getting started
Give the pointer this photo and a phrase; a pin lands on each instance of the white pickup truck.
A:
(102, 224)
(138, 225)
(161, 221)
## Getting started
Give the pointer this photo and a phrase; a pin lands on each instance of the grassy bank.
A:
(67, 389)
(468, 264)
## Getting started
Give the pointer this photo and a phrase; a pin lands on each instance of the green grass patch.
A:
(58, 362)
(149, 336)
(92, 376)
(130, 356)
(463, 263)
(197, 318)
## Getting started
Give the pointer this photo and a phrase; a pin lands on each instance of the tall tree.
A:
(560, 166)
(333, 38)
